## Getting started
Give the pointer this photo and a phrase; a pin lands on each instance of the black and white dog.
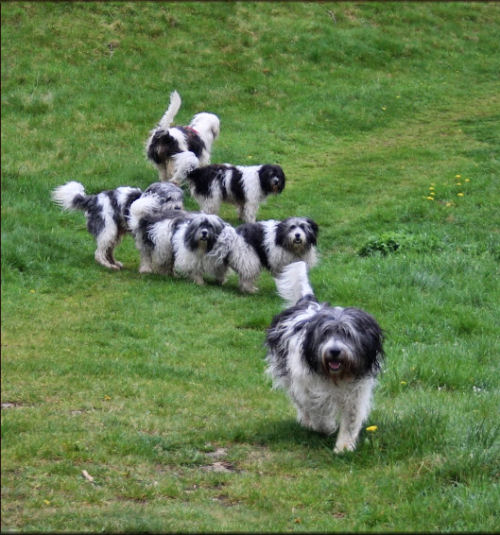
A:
(177, 242)
(270, 244)
(165, 140)
(326, 358)
(107, 212)
(244, 186)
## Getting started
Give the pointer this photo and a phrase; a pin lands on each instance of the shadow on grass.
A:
(397, 437)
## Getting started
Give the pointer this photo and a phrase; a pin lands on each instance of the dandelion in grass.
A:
(429, 198)
(460, 194)
(371, 428)
(458, 176)
(107, 398)
(403, 382)
(32, 291)
(448, 204)
(384, 108)
(467, 180)
(46, 502)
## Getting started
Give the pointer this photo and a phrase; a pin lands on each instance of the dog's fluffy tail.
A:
(293, 283)
(184, 163)
(173, 108)
(142, 207)
(70, 196)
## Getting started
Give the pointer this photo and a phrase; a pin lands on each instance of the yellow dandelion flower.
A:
(430, 198)
(467, 180)
(32, 291)
(107, 398)
(403, 383)
(398, 96)
(432, 193)
(46, 502)
(448, 204)
(432, 187)
(372, 428)
(460, 194)
(458, 176)
(458, 184)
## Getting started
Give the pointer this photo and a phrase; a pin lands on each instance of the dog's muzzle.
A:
(297, 238)
(275, 185)
(333, 361)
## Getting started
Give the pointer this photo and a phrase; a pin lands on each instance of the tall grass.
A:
(384, 117)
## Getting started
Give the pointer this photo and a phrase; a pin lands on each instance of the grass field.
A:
(139, 403)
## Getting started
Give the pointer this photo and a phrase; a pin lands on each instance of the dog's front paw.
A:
(248, 288)
(341, 447)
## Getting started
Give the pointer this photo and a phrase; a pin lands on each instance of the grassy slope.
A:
(137, 379)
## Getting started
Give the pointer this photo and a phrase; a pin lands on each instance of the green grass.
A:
(150, 384)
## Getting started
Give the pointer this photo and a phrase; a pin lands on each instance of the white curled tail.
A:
(293, 283)
(69, 196)
(173, 108)
(184, 163)
(143, 206)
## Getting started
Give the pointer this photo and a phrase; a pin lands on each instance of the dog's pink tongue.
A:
(334, 366)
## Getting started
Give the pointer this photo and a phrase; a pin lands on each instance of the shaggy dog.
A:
(270, 244)
(177, 242)
(326, 358)
(165, 140)
(244, 186)
(107, 212)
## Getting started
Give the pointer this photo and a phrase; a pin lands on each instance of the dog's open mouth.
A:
(334, 366)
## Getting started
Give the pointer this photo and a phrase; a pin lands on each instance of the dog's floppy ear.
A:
(314, 228)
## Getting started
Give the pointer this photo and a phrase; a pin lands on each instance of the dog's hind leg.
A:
(106, 243)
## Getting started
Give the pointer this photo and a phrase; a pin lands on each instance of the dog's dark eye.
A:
(292, 227)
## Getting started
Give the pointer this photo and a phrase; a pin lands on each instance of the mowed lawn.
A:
(139, 402)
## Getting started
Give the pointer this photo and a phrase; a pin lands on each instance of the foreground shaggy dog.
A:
(177, 242)
(326, 358)
(107, 212)
(165, 141)
(244, 186)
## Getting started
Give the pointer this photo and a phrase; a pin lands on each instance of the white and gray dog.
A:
(241, 185)
(165, 140)
(107, 212)
(326, 358)
(177, 242)
(270, 245)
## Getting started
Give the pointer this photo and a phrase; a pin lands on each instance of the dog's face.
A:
(272, 178)
(170, 196)
(202, 232)
(297, 233)
(343, 342)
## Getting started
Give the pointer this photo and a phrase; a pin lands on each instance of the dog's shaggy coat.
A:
(270, 245)
(326, 358)
(244, 186)
(165, 140)
(107, 212)
(177, 242)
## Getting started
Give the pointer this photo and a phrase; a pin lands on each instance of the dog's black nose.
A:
(333, 352)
